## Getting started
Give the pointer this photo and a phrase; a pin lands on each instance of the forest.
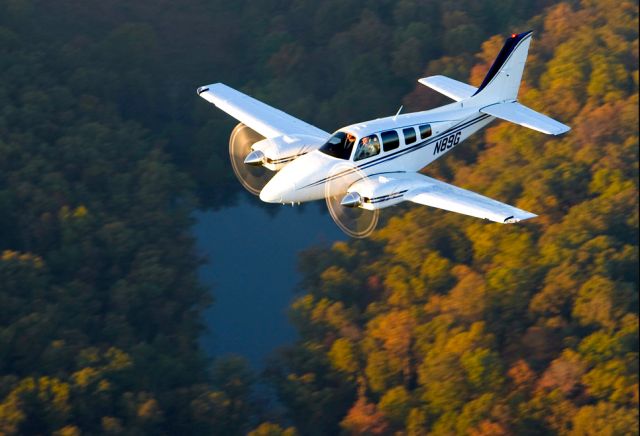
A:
(438, 324)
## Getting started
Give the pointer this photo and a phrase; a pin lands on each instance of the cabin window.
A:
(339, 145)
(409, 135)
(390, 140)
(368, 146)
(425, 131)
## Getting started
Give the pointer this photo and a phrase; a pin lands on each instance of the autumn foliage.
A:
(439, 324)
(443, 324)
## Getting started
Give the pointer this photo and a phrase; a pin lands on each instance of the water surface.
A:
(252, 257)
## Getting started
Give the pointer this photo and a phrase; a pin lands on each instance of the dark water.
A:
(252, 272)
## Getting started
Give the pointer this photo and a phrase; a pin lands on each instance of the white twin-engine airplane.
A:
(368, 166)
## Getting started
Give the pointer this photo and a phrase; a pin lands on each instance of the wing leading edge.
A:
(391, 188)
(264, 119)
(434, 193)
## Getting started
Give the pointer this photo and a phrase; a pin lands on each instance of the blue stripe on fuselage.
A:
(401, 152)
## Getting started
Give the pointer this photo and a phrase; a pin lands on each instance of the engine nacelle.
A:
(281, 150)
(378, 192)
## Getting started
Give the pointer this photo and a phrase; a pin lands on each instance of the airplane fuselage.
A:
(308, 177)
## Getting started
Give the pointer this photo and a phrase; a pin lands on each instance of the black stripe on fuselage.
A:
(401, 152)
(510, 45)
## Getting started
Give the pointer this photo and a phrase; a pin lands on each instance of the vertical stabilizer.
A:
(503, 79)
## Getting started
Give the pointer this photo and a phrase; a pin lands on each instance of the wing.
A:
(383, 190)
(434, 193)
(449, 87)
(264, 119)
(522, 115)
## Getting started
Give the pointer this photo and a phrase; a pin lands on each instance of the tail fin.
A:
(499, 89)
(503, 79)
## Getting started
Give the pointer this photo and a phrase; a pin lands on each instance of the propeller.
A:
(343, 207)
(247, 164)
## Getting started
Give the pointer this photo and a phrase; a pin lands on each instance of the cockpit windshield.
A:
(339, 145)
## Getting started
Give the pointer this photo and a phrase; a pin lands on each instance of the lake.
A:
(252, 272)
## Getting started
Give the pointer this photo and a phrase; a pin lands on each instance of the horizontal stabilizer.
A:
(449, 87)
(522, 115)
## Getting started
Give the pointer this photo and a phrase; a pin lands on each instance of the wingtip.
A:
(520, 217)
(561, 131)
(211, 87)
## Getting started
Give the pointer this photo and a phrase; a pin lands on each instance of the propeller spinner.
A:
(247, 164)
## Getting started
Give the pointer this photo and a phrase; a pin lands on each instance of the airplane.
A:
(368, 166)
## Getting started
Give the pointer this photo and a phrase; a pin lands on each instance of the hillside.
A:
(437, 324)
(444, 324)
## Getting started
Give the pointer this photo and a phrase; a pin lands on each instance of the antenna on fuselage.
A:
(397, 113)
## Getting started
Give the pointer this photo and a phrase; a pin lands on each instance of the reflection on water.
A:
(252, 257)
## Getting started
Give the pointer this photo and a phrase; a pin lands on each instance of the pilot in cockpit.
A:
(366, 145)
(369, 146)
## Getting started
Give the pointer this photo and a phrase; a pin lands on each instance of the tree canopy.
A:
(438, 324)
(443, 324)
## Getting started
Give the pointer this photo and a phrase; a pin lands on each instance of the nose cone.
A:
(300, 180)
(277, 190)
